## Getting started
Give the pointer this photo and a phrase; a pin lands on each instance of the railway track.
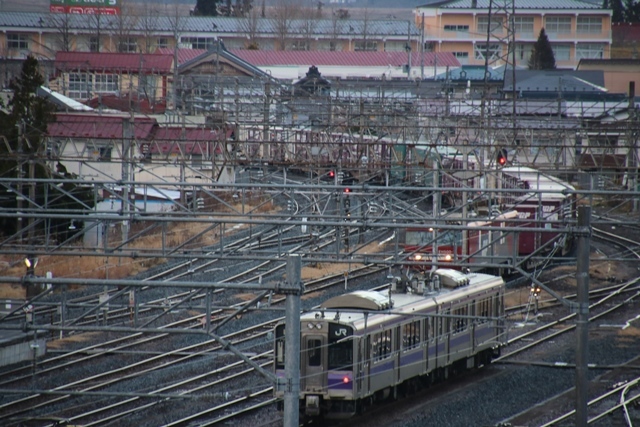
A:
(13, 411)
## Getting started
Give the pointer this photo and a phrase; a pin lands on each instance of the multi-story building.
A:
(576, 29)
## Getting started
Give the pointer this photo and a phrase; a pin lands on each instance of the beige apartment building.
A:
(576, 29)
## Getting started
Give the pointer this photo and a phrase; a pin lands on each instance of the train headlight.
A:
(418, 257)
(447, 257)
(310, 325)
(346, 380)
(318, 325)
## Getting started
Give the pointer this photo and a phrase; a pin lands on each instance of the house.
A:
(94, 146)
(575, 28)
(626, 40)
(130, 76)
(350, 65)
(618, 72)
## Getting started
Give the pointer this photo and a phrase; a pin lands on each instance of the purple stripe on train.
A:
(336, 381)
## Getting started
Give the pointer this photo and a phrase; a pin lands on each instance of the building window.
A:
(523, 26)
(17, 41)
(147, 86)
(562, 52)
(589, 24)
(300, 45)
(483, 24)
(457, 28)
(94, 44)
(366, 46)
(104, 153)
(523, 51)
(128, 44)
(163, 42)
(79, 85)
(480, 50)
(429, 46)
(105, 83)
(558, 25)
(589, 51)
(332, 46)
(198, 42)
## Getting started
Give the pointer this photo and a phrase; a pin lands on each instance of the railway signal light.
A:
(501, 157)
(347, 191)
(331, 174)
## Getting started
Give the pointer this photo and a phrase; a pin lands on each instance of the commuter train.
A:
(364, 346)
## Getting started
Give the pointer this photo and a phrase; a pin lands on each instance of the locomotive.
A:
(364, 346)
(483, 246)
(532, 200)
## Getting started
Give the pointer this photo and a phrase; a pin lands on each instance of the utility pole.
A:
(292, 342)
(582, 307)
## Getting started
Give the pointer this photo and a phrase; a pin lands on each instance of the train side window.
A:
(314, 351)
(431, 323)
(381, 346)
(459, 322)
(483, 310)
(411, 335)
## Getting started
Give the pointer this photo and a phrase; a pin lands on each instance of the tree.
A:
(23, 127)
(284, 13)
(632, 11)
(617, 8)
(206, 8)
(542, 57)
(23, 156)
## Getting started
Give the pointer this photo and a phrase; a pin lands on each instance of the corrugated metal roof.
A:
(135, 62)
(350, 59)
(518, 4)
(555, 81)
(98, 126)
(205, 25)
(184, 55)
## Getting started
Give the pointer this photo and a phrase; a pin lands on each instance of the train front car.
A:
(327, 347)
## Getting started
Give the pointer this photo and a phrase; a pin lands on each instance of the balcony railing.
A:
(477, 36)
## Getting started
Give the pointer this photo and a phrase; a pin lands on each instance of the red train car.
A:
(446, 248)
(549, 204)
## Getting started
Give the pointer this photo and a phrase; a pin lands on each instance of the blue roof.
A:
(473, 73)
(210, 25)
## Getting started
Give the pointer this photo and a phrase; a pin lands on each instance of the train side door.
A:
(314, 356)
(443, 335)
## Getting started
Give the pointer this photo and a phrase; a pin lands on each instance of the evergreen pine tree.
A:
(618, 10)
(542, 57)
(206, 8)
(24, 127)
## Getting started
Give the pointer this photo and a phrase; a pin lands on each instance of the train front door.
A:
(313, 361)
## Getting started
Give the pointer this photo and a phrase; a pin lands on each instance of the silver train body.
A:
(366, 345)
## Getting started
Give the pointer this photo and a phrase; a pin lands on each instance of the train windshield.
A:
(340, 347)
(450, 238)
(425, 238)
